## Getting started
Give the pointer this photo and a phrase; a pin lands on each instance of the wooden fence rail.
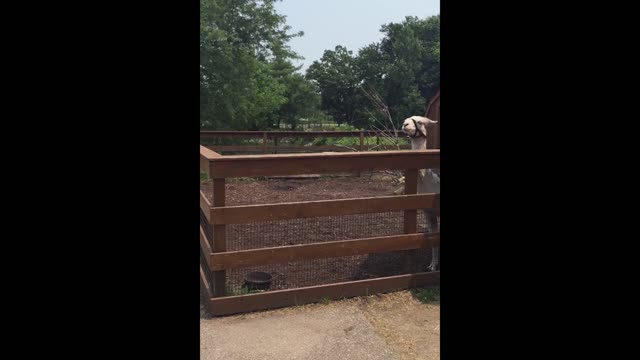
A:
(293, 164)
(292, 297)
(284, 254)
(296, 210)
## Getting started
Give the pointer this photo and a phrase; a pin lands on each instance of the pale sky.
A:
(351, 23)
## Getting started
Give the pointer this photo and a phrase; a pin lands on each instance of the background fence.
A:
(282, 142)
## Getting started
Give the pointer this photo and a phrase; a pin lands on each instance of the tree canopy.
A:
(248, 80)
(403, 69)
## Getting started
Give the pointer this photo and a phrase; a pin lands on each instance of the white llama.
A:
(429, 179)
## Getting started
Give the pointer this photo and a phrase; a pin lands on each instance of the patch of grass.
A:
(427, 295)
(325, 300)
(244, 290)
(249, 179)
(203, 176)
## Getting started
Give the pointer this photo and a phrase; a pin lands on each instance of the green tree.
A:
(242, 43)
(403, 69)
(412, 50)
(337, 78)
(303, 100)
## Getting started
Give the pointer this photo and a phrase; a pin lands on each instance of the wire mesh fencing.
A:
(327, 270)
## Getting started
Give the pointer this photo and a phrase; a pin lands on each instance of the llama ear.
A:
(423, 120)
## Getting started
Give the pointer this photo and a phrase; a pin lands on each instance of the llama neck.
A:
(428, 182)
(419, 143)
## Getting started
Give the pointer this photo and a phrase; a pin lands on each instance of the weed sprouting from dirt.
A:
(427, 295)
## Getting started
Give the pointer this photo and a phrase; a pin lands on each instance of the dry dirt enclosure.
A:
(279, 190)
(318, 229)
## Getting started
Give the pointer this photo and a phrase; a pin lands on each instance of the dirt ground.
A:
(386, 326)
(279, 190)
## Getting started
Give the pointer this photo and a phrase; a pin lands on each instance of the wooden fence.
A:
(217, 259)
(272, 141)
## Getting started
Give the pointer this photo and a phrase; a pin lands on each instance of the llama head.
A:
(416, 126)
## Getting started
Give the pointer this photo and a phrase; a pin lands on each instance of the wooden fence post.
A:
(264, 142)
(361, 148)
(410, 187)
(219, 238)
